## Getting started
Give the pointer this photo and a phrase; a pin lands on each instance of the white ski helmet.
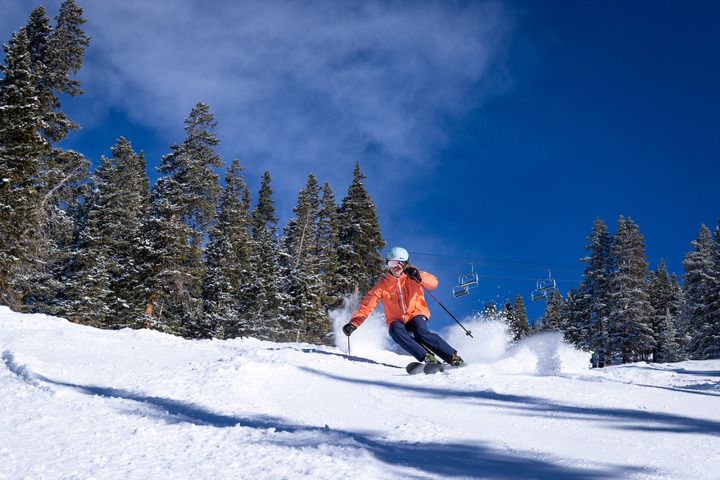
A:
(398, 253)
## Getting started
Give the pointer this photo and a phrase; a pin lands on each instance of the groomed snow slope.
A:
(82, 403)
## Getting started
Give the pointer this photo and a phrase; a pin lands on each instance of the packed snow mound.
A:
(84, 403)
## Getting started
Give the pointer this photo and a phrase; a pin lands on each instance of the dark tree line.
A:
(186, 255)
(623, 312)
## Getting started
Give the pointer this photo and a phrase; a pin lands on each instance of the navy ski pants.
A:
(400, 332)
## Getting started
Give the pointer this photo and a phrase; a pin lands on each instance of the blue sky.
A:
(492, 134)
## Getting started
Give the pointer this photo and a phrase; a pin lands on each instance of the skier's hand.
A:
(413, 272)
(349, 328)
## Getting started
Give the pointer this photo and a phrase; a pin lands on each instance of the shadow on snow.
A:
(625, 418)
(468, 461)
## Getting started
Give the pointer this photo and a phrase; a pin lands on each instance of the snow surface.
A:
(82, 403)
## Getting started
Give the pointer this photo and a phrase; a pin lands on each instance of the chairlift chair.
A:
(539, 295)
(544, 287)
(466, 281)
(460, 291)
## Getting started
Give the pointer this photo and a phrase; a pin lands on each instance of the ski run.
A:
(83, 403)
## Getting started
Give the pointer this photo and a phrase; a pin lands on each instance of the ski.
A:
(431, 368)
(415, 368)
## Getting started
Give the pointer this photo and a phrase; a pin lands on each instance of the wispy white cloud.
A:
(299, 81)
(298, 86)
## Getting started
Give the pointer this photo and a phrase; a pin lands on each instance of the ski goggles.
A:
(395, 263)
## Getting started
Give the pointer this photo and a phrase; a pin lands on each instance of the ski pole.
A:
(349, 347)
(467, 332)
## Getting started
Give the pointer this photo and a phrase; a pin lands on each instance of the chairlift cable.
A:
(502, 277)
(498, 266)
(475, 260)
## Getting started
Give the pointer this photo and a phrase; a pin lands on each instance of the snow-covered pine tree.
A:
(520, 327)
(183, 203)
(305, 317)
(575, 326)
(326, 248)
(594, 294)
(490, 313)
(85, 296)
(701, 284)
(228, 256)
(629, 329)
(670, 348)
(54, 55)
(22, 147)
(553, 318)
(104, 278)
(507, 315)
(47, 246)
(698, 265)
(666, 300)
(301, 231)
(126, 209)
(361, 243)
(262, 300)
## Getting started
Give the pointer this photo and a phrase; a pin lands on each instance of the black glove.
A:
(349, 328)
(413, 273)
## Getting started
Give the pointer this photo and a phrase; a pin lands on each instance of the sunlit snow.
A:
(82, 403)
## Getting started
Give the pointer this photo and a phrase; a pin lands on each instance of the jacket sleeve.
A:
(368, 304)
(429, 281)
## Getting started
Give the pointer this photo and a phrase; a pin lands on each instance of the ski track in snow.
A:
(82, 403)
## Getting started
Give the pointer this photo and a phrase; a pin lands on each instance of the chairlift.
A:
(538, 295)
(544, 287)
(466, 281)
(460, 291)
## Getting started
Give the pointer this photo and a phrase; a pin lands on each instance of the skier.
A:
(401, 291)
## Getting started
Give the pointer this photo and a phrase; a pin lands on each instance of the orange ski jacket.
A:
(402, 298)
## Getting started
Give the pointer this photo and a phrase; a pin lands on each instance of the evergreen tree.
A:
(262, 218)
(490, 312)
(553, 318)
(262, 301)
(183, 203)
(520, 327)
(126, 209)
(21, 149)
(86, 295)
(666, 301)
(702, 295)
(629, 330)
(228, 256)
(507, 315)
(104, 278)
(698, 265)
(361, 243)
(594, 294)
(670, 349)
(575, 327)
(54, 54)
(304, 283)
(301, 231)
(326, 248)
